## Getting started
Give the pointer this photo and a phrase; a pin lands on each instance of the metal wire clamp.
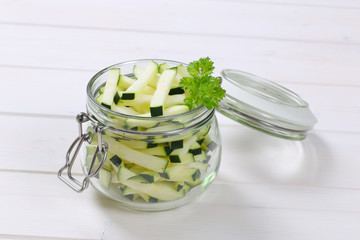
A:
(101, 150)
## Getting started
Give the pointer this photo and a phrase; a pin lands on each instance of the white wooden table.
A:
(267, 188)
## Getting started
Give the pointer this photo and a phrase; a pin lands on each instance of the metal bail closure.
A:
(265, 105)
(75, 147)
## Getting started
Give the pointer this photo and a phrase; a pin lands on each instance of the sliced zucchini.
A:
(147, 198)
(182, 154)
(148, 74)
(174, 100)
(101, 90)
(131, 197)
(200, 157)
(178, 144)
(164, 127)
(162, 90)
(136, 169)
(209, 144)
(195, 183)
(125, 81)
(133, 194)
(163, 67)
(200, 140)
(203, 131)
(100, 98)
(116, 162)
(208, 157)
(160, 150)
(128, 190)
(195, 149)
(142, 123)
(134, 143)
(117, 97)
(138, 71)
(180, 185)
(153, 83)
(165, 191)
(114, 177)
(182, 71)
(90, 151)
(140, 100)
(124, 110)
(105, 177)
(142, 109)
(186, 187)
(151, 145)
(199, 165)
(182, 173)
(124, 173)
(170, 138)
(175, 109)
(162, 190)
(148, 90)
(179, 157)
(146, 177)
(124, 152)
(176, 90)
(110, 87)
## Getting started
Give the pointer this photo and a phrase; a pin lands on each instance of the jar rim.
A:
(194, 117)
(90, 96)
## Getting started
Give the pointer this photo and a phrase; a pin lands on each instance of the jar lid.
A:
(265, 105)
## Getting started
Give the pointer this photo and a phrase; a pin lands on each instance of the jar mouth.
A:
(195, 116)
(91, 93)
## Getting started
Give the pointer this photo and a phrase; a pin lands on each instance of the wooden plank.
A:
(230, 220)
(36, 144)
(325, 159)
(63, 92)
(286, 61)
(235, 18)
(310, 3)
(266, 189)
(227, 222)
(44, 91)
(233, 211)
(27, 237)
(34, 205)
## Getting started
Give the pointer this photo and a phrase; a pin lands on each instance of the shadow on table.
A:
(254, 157)
(218, 214)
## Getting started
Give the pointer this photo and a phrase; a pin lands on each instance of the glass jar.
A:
(160, 163)
(145, 163)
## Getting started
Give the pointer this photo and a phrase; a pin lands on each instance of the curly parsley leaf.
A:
(201, 87)
(202, 67)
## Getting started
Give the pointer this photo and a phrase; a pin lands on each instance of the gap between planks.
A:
(311, 4)
(28, 237)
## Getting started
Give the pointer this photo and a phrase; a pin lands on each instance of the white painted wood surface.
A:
(266, 188)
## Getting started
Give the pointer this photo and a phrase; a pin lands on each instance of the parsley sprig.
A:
(201, 87)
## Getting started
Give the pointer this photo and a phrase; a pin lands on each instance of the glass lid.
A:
(265, 105)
